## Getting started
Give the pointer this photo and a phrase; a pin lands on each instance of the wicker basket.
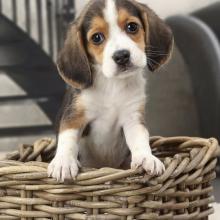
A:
(182, 192)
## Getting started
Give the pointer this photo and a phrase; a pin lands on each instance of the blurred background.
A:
(168, 7)
(184, 96)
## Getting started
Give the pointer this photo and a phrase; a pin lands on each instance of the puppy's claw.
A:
(63, 168)
(151, 164)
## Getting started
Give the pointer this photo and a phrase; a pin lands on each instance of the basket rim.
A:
(202, 150)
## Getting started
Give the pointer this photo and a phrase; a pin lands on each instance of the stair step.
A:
(9, 144)
(25, 99)
(13, 53)
(26, 130)
(8, 30)
(22, 114)
(25, 52)
(41, 87)
(34, 82)
(8, 87)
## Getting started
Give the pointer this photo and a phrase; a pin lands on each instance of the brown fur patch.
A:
(98, 25)
(69, 80)
(73, 116)
(124, 17)
(142, 113)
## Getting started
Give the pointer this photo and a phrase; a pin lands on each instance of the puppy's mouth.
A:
(126, 68)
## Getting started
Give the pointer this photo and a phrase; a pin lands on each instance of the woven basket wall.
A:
(183, 192)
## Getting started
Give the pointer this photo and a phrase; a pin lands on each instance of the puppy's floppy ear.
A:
(73, 64)
(159, 38)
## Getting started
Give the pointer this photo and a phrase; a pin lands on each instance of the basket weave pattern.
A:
(182, 192)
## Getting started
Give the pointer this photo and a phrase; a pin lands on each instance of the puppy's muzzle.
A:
(121, 57)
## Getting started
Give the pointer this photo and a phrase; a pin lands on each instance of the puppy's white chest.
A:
(104, 105)
(109, 98)
(108, 103)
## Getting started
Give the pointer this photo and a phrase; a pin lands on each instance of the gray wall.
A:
(168, 7)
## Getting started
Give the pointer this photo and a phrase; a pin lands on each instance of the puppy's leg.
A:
(65, 164)
(71, 124)
(137, 138)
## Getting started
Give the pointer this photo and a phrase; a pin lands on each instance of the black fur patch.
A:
(129, 6)
(94, 9)
(86, 131)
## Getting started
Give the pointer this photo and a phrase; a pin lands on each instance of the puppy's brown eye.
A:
(132, 28)
(98, 38)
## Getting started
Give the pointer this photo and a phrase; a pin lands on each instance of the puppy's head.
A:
(118, 37)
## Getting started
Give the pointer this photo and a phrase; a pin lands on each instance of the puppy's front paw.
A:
(63, 168)
(151, 164)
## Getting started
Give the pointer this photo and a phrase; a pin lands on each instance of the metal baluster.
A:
(0, 6)
(27, 11)
(39, 22)
(50, 28)
(14, 10)
(68, 13)
(73, 7)
(58, 24)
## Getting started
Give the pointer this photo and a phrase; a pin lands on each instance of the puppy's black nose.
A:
(121, 57)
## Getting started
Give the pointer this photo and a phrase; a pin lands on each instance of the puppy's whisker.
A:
(152, 62)
(156, 52)
(153, 47)
(156, 49)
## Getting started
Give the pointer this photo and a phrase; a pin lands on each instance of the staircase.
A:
(30, 88)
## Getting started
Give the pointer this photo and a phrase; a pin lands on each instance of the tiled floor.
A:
(216, 185)
(216, 215)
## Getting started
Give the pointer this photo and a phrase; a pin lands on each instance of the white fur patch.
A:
(112, 104)
(65, 164)
(66, 140)
(119, 40)
(109, 103)
(137, 138)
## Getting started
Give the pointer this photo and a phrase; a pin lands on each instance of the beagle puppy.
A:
(108, 50)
